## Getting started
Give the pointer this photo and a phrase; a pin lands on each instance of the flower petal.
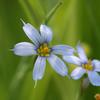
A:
(58, 65)
(62, 50)
(94, 78)
(46, 33)
(96, 64)
(24, 49)
(77, 73)
(72, 59)
(81, 53)
(32, 33)
(39, 68)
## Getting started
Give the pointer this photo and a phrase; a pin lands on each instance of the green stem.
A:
(51, 13)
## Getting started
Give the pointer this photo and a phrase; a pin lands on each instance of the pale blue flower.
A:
(91, 68)
(41, 48)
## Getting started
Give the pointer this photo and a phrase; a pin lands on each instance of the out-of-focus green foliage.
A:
(74, 20)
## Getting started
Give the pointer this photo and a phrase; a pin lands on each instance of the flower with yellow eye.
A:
(90, 67)
(41, 48)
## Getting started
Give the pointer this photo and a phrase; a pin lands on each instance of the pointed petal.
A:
(94, 78)
(62, 50)
(58, 65)
(81, 53)
(72, 59)
(96, 64)
(24, 49)
(46, 33)
(32, 33)
(39, 68)
(77, 73)
(22, 21)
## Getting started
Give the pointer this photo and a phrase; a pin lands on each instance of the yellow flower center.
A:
(88, 66)
(44, 50)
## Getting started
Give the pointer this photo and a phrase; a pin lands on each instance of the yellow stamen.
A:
(43, 50)
(88, 66)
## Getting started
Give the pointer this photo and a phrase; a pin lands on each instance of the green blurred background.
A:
(74, 20)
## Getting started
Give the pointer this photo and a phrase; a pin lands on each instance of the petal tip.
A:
(22, 21)
(11, 49)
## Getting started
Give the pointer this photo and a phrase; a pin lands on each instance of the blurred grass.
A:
(73, 21)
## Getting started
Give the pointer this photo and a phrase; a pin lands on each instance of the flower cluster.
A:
(40, 47)
(90, 67)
